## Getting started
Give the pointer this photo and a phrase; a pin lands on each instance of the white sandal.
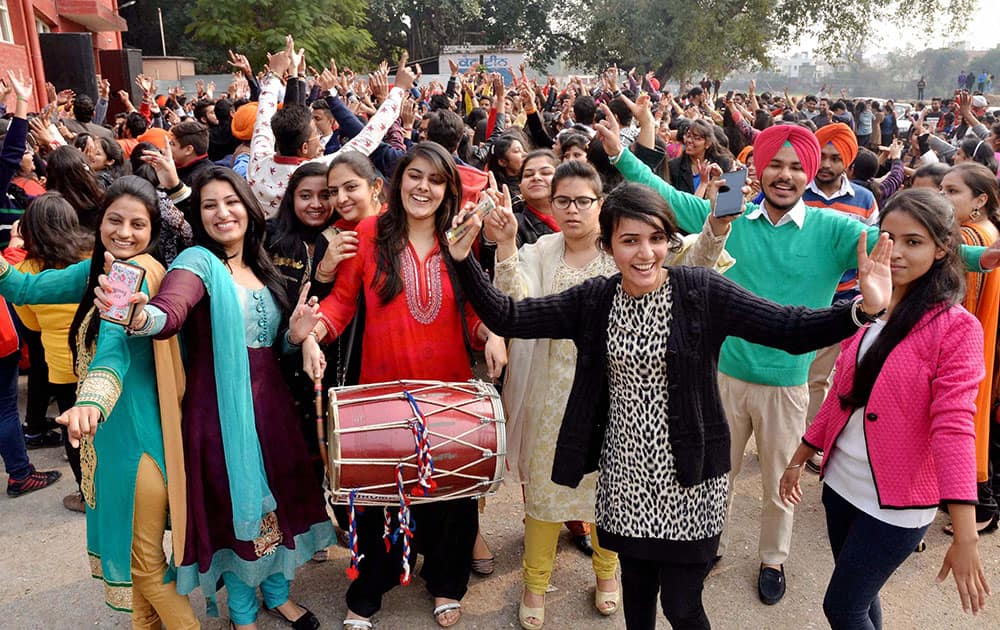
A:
(358, 624)
(601, 598)
(443, 608)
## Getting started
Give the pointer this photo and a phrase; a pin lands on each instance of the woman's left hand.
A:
(304, 318)
(874, 275)
(496, 356)
(962, 560)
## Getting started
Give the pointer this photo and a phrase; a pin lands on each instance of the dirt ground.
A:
(45, 581)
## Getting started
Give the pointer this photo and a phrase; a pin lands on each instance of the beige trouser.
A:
(153, 601)
(776, 418)
(820, 378)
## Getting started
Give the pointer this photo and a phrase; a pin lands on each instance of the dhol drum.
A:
(406, 433)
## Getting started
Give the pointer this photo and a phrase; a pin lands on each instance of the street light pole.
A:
(163, 40)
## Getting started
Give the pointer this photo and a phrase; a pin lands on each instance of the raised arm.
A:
(52, 286)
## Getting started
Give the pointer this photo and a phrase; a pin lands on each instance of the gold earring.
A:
(975, 214)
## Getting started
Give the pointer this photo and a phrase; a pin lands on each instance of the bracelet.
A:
(862, 319)
(21, 99)
(793, 467)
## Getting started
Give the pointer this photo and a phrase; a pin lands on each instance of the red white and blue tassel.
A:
(421, 442)
(405, 527)
(352, 539)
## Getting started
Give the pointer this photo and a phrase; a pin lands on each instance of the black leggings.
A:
(444, 534)
(65, 395)
(679, 585)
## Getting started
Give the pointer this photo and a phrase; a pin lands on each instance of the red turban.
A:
(842, 139)
(770, 141)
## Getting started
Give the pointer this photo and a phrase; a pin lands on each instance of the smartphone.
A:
(483, 208)
(730, 200)
(125, 279)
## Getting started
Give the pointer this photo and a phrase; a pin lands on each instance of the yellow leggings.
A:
(152, 600)
(540, 541)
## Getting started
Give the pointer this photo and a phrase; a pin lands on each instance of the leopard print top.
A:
(638, 494)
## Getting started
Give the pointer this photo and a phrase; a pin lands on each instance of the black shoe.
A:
(43, 440)
(307, 621)
(771, 585)
(583, 544)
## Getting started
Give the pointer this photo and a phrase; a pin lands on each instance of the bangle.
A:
(793, 467)
(21, 99)
(861, 318)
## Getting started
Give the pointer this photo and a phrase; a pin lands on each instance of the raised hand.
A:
(163, 164)
(305, 316)
(874, 275)
(378, 83)
(404, 77)
(241, 63)
(408, 113)
(20, 84)
(327, 80)
(610, 132)
(460, 248)
(343, 245)
(453, 67)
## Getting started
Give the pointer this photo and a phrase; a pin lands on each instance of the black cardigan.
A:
(681, 176)
(707, 308)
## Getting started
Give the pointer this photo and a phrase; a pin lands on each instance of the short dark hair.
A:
(839, 105)
(584, 109)
(291, 129)
(636, 201)
(191, 133)
(811, 98)
(577, 169)
(201, 108)
(572, 139)
(446, 128)
(321, 105)
(136, 124)
(621, 112)
(935, 171)
(83, 108)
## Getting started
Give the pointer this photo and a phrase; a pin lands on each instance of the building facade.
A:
(22, 20)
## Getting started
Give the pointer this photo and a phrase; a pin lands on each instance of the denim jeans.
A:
(243, 604)
(12, 449)
(866, 552)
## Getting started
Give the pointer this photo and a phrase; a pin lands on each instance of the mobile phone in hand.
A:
(483, 208)
(125, 279)
(730, 199)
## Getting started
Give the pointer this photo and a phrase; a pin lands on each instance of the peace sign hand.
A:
(304, 318)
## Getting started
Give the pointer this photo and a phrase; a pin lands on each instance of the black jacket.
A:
(707, 308)
(681, 176)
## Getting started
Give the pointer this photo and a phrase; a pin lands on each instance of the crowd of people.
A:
(291, 234)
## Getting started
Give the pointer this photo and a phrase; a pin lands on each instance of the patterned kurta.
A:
(638, 495)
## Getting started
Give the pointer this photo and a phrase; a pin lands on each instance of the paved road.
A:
(45, 583)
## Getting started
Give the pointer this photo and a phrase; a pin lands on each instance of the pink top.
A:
(919, 418)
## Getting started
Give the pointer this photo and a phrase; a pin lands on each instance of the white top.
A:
(797, 215)
(849, 472)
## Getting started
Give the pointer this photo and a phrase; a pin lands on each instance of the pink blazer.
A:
(919, 418)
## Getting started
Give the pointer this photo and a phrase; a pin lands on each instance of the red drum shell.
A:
(370, 433)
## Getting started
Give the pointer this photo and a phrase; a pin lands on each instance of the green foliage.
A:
(325, 28)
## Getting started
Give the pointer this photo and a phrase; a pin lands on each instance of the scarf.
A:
(251, 497)
(547, 219)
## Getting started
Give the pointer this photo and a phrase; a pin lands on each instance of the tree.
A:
(325, 28)
(144, 33)
(678, 39)
(421, 26)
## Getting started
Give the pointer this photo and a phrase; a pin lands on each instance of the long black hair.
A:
(254, 255)
(288, 230)
(52, 234)
(943, 285)
(393, 229)
(127, 186)
(67, 172)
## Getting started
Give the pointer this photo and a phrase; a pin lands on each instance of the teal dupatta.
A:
(248, 489)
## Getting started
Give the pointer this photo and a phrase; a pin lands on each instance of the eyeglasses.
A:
(582, 203)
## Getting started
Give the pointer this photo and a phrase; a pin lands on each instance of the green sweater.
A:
(785, 264)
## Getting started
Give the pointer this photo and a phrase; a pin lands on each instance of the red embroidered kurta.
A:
(418, 334)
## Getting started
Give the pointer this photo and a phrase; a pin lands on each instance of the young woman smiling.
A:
(632, 402)
(402, 269)
(125, 464)
(540, 373)
(897, 430)
(255, 510)
(972, 190)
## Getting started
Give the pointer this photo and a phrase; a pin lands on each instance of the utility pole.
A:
(163, 40)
